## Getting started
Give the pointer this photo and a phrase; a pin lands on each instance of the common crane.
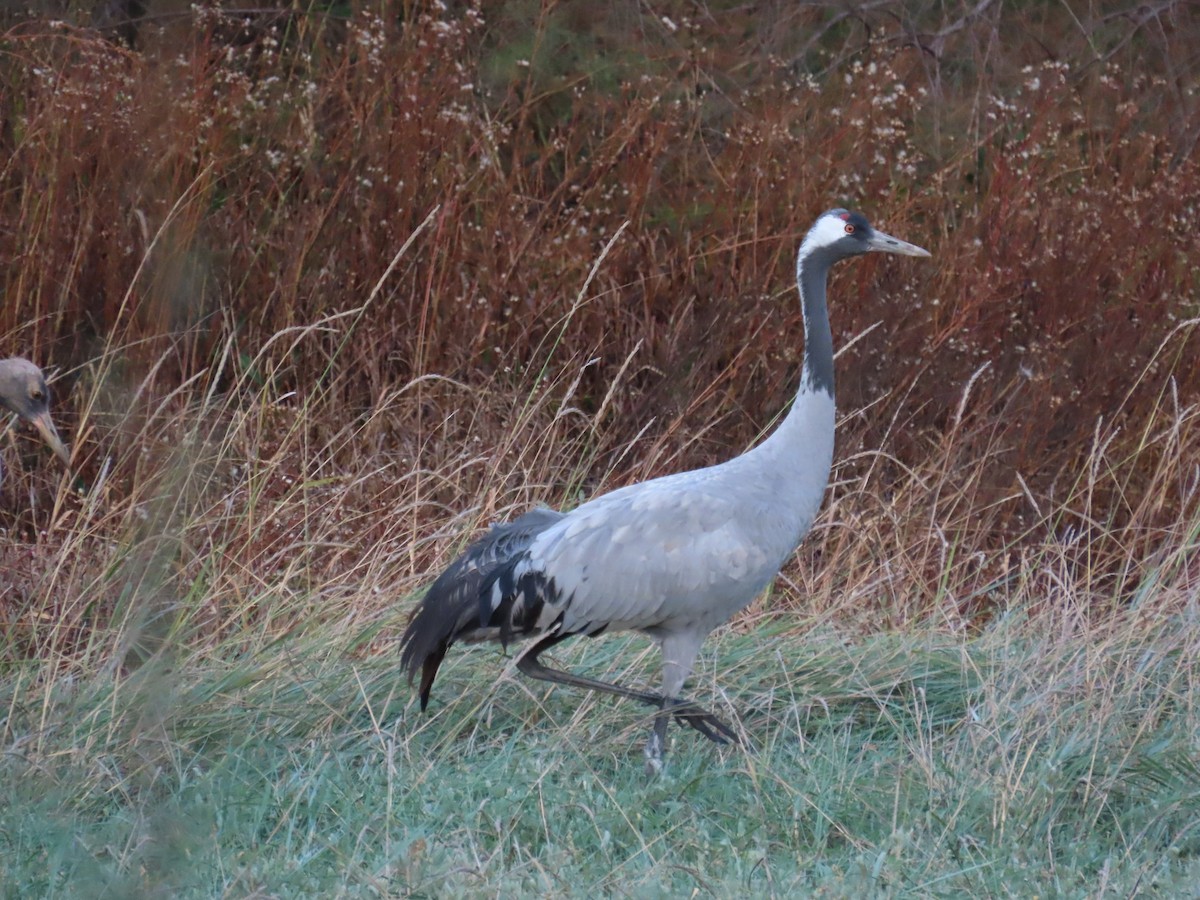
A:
(23, 391)
(673, 557)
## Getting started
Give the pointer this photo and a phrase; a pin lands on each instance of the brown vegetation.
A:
(327, 290)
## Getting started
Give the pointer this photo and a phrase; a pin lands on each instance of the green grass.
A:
(1022, 761)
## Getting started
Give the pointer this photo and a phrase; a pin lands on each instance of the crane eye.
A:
(849, 228)
(35, 395)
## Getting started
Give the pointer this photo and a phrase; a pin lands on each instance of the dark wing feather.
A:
(512, 599)
(450, 608)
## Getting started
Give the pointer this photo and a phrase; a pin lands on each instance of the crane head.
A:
(23, 391)
(842, 233)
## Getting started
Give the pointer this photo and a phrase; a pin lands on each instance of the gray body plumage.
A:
(673, 557)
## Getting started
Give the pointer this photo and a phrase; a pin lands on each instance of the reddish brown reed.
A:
(199, 239)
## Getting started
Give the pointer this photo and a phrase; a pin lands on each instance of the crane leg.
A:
(685, 711)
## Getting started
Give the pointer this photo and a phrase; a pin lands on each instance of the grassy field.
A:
(325, 289)
(1056, 761)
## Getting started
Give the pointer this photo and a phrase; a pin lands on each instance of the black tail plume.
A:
(450, 609)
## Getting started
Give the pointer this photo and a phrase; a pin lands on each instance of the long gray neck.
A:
(812, 272)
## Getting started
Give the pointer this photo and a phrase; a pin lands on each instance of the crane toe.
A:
(706, 723)
(654, 754)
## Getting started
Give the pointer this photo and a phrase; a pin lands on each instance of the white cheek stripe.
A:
(828, 230)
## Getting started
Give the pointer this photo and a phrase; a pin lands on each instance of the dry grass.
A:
(326, 291)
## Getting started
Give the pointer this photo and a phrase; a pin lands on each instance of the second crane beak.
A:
(885, 243)
(41, 421)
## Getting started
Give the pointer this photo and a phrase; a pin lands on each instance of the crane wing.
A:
(644, 556)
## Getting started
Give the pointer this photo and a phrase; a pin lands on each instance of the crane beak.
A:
(41, 421)
(885, 243)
